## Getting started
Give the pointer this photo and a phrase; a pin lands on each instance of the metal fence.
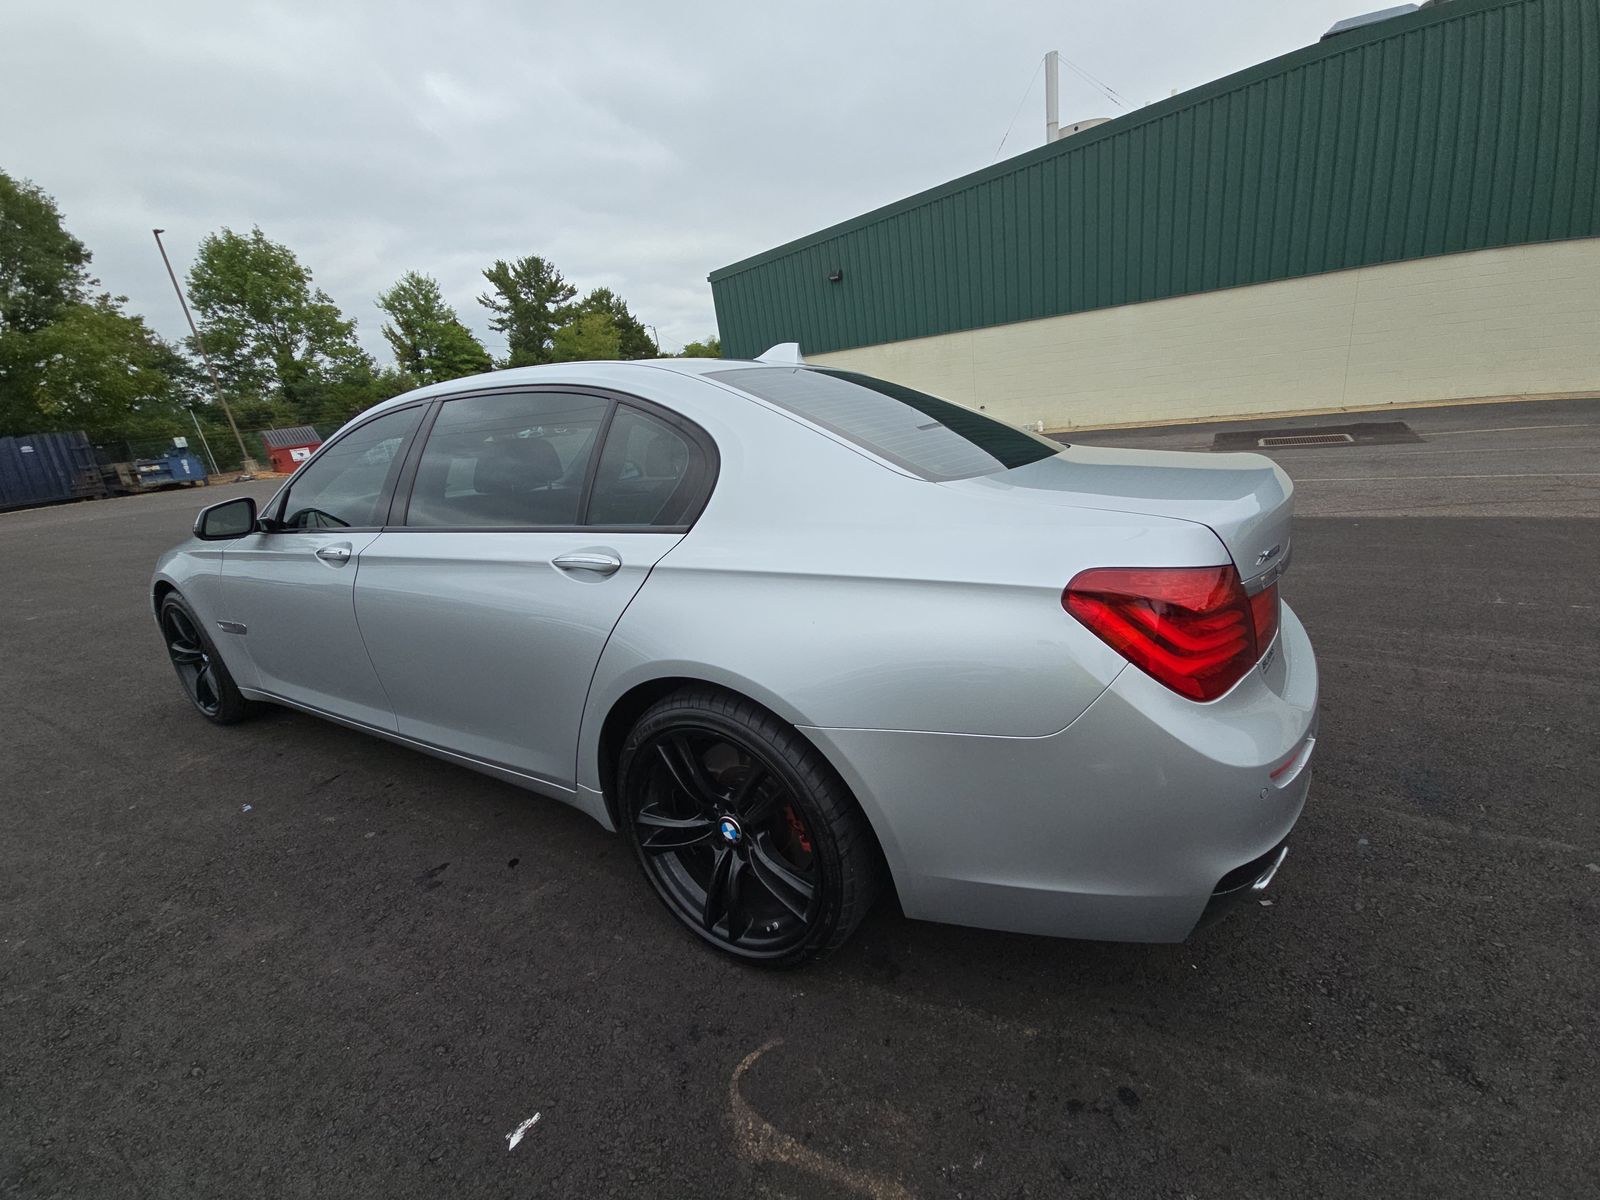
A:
(217, 447)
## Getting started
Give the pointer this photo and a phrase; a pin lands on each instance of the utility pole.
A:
(249, 464)
(1052, 84)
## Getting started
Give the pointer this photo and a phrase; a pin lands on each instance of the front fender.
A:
(194, 569)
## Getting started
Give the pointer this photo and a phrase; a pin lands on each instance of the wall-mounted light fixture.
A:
(835, 275)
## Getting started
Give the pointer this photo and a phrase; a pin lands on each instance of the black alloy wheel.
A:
(743, 831)
(204, 677)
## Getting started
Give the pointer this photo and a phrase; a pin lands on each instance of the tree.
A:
(43, 268)
(270, 331)
(68, 359)
(530, 301)
(710, 348)
(587, 336)
(634, 341)
(429, 341)
(98, 370)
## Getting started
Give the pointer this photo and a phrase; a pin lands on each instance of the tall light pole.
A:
(1052, 85)
(249, 464)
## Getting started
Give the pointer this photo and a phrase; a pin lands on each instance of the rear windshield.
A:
(930, 437)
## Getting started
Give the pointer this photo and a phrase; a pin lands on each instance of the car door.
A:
(288, 591)
(487, 605)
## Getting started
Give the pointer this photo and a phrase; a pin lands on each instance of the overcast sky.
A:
(637, 145)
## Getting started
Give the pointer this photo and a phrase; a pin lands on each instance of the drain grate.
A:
(1307, 439)
(1363, 433)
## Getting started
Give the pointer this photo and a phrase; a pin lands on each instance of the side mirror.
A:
(230, 519)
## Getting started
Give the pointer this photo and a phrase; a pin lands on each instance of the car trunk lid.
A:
(1245, 499)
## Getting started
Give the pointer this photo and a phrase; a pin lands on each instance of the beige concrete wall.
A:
(1516, 321)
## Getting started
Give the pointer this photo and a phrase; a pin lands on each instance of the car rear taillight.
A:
(1264, 616)
(1190, 628)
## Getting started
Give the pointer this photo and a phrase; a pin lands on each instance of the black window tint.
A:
(506, 461)
(646, 474)
(346, 482)
(932, 437)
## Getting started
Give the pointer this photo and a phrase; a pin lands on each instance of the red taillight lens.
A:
(1191, 628)
(1264, 615)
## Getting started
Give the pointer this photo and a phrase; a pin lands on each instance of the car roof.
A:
(571, 372)
(702, 366)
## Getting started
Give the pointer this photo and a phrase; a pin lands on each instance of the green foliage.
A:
(43, 268)
(710, 348)
(92, 368)
(588, 336)
(283, 352)
(533, 306)
(271, 333)
(530, 301)
(634, 341)
(100, 370)
(70, 360)
(429, 341)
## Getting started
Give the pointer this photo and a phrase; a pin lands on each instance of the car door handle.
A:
(588, 560)
(337, 555)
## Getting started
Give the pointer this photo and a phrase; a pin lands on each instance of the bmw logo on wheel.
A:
(731, 832)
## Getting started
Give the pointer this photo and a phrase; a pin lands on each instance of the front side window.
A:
(928, 436)
(645, 475)
(507, 461)
(348, 483)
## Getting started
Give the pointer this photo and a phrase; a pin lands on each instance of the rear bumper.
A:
(1124, 826)
(1238, 887)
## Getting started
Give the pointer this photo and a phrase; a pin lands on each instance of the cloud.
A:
(637, 145)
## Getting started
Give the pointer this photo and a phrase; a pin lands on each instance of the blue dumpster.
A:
(46, 468)
(177, 465)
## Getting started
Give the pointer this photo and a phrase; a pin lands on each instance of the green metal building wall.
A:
(1468, 125)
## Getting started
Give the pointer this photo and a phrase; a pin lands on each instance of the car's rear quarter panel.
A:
(1118, 827)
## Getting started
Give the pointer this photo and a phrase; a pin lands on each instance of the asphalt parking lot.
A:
(285, 959)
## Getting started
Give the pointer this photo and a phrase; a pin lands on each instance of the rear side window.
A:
(930, 437)
(647, 475)
(506, 461)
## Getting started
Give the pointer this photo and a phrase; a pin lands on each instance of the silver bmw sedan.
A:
(799, 634)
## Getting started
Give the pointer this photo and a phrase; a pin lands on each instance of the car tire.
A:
(744, 831)
(201, 671)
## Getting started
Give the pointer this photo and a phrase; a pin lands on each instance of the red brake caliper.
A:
(798, 829)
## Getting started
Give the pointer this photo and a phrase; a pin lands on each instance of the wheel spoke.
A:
(184, 627)
(738, 910)
(672, 833)
(748, 801)
(205, 687)
(182, 642)
(782, 881)
(716, 906)
(183, 654)
(655, 817)
(764, 800)
(687, 772)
